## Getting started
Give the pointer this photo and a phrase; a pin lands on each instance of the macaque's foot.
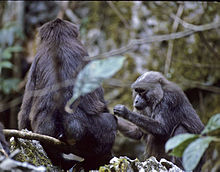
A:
(120, 110)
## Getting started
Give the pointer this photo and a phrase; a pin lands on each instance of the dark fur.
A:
(162, 111)
(59, 56)
(3, 141)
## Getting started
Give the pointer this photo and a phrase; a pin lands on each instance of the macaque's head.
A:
(148, 90)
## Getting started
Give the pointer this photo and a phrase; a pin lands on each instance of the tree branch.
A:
(200, 85)
(170, 44)
(157, 38)
(198, 65)
(124, 21)
(42, 138)
(131, 45)
(210, 48)
(12, 103)
(213, 25)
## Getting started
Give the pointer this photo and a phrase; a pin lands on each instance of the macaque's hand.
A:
(120, 110)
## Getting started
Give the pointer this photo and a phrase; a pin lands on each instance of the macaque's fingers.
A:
(120, 110)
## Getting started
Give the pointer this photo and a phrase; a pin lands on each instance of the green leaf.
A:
(15, 49)
(194, 152)
(213, 124)
(6, 64)
(94, 73)
(179, 143)
(7, 53)
(9, 85)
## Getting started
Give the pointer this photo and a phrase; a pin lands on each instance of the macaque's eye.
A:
(139, 90)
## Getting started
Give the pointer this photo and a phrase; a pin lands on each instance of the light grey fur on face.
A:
(151, 83)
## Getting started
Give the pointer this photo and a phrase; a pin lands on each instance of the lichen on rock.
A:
(124, 164)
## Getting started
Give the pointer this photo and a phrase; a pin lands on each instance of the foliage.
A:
(180, 142)
(8, 36)
(93, 74)
(194, 58)
(102, 29)
(192, 147)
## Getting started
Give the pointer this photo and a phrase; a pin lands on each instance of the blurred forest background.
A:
(140, 31)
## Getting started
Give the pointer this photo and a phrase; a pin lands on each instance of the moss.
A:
(31, 152)
(124, 164)
(102, 16)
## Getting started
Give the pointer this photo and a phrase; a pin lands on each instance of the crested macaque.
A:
(3, 142)
(58, 59)
(161, 111)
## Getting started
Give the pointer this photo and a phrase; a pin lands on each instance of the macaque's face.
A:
(147, 91)
(139, 99)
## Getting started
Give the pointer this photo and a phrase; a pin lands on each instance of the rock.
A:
(149, 165)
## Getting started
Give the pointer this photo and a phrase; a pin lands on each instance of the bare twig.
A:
(200, 85)
(212, 89)
(170, 44)
(32, 136)
(156, 38)
(63, 5)
(213, 25)
(124, 21)
(132, 44)
(199, 65)
(13, 103)
(42, 138)
(210, 48)
(69, 13)
(56, 87)
(149, 39)
(118, 83)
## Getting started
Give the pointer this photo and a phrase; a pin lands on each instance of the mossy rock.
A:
(124, 164)
(31, 152)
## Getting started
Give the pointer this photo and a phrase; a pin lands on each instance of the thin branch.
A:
(124, 21)
(71, 15)
(32, 136)
(42, 138)
(156, 38)
(199, 65)
(118, 83)
(149, 39)
(63, 5)
(213, 25)
(132, 44)
(210, 48)
(73, 18)
(170, 44)
(212, 89)
(13, 103)
(200, 85)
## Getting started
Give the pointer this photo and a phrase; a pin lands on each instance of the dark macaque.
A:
(161, 111)
(59, 57)
(3, 141)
